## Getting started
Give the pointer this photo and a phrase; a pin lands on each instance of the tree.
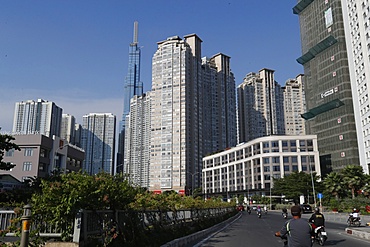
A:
(366, 187)
(353, 177)
(294, 185)
(6, 145)
(333, 184)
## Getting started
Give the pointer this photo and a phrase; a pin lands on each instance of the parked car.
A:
(240, 208)
(306, 208)
(254, 207)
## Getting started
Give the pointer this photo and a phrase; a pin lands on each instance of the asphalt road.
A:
(249, 230)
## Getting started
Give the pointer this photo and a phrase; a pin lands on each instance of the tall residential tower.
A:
(356, 15)
(37, 117)
(260, 106)
(98, 141)
(185, 88)
(294, 105)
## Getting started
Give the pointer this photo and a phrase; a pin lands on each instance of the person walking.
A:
(297, 231)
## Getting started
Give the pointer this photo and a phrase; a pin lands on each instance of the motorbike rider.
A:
(297, 230)
(317, 218)
(354, 215)
(259, 210)
(284, 212)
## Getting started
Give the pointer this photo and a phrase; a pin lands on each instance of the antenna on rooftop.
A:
(136, 24)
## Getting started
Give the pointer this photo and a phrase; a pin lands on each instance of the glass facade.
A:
(327, 79)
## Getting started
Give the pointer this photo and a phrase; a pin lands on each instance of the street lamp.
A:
(192, 181)
(270, 188)
(313, 184)
(312, 181)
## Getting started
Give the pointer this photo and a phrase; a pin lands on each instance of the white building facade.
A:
(294, 106)
(249, 167)
(67, 130)
(98, 141)
(37, 117)
(137, 143)
(260, 106)
(356, 16)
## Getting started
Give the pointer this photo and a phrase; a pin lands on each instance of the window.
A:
(27, 166)
(276, 160)
(28, 151)
(10, 153)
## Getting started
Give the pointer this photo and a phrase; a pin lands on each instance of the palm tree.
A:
(366, 187)
(353, 177)
(333, 184)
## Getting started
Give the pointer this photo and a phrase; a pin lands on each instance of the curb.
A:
(201, 234)
(357, 233)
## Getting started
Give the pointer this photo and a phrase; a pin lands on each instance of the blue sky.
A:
(75, 52)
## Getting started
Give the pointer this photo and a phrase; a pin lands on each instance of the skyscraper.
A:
(37, 117)
(137, 143)
(68, 128)
(356, 28)
(260, 106)
(98, 141)
(133, 86)
(294, 105)
(183, 125)
(219, 107)
(176, 131)
(329, 100)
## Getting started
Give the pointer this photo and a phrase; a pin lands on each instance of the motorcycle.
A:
(285, 215)
(249, 211)
(259, 214)
(320, 235)
(354, 221)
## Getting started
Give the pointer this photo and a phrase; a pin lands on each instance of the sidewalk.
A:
(361, 232)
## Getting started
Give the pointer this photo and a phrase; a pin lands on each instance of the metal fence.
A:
(92, 223)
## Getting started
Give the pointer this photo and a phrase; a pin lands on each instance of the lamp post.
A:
(312, 180)
(192, 181)
(313, 184)
(270, 189)
(26, 222)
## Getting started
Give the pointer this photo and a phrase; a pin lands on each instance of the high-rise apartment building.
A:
(133, 86)
(98, 141)
(181, 91)
(294, 105)
(67, 131)
(176, 130)
(356, 18)
(137, 143)
(37, 117)
(219, 111)
(330, 112)
(260, 106)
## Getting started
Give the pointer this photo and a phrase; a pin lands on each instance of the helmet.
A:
(317, 210)
(354, 209)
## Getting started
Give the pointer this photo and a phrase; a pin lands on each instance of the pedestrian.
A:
(297, 230)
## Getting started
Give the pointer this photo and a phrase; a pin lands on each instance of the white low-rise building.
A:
(248, 168)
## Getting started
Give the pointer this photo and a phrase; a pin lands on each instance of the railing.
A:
(92, 223)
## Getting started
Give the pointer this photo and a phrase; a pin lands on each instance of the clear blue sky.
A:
(75, 52)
